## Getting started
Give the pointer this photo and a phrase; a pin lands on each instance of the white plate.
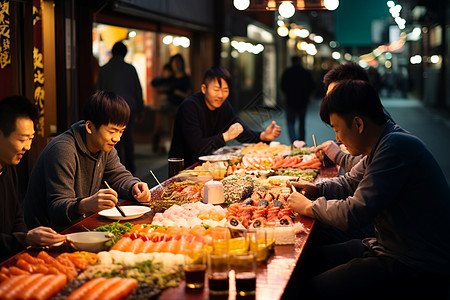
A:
(220, 157)
(131, 212)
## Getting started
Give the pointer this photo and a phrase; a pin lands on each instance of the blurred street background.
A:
(52, 50)
(432, 126)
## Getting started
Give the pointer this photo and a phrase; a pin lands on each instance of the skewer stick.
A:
(154, 176)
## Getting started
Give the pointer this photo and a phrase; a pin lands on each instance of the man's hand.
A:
(272, 132)
(328, 148)
(300, 204)
(43, 236)
(305, 187)
(233, 132)
(141, 192)
(103, 199)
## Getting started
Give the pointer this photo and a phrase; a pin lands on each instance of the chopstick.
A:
(117, 204)
(154, 176)
(314, 140)
(315, 146)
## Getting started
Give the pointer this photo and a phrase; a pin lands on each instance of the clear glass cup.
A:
(218, 273)
(194, 269)
(220, 239)
(257, 242)
(244, 265)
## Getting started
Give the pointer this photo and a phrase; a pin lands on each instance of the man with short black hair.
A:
(17, 117)
(205, 121)
(65, 183)
(401, 189)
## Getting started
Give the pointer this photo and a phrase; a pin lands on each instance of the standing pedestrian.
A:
(121, 78)
(297, 84)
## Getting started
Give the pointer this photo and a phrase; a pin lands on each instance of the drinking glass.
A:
(194, 269)
(244, 265)
(257, 241)
(220, 239)
(175, 166)
(218, 273)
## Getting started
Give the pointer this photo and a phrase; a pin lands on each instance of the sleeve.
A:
(120, 179)
(60, 167)
(248, 135)
(11, 243)
(346, 160)
(376, 189)
(193, 133)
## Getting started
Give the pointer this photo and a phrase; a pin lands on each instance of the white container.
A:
(214, 192)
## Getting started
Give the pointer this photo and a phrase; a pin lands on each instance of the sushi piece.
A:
(286, 220)
(258, 223)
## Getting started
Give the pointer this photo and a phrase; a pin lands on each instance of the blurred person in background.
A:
(164, 111)
(205, 121)
(121, 78)
(298, 85)
(66, 183)
(17, 119)
(180, 82)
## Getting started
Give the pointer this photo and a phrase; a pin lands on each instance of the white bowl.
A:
(92, 241)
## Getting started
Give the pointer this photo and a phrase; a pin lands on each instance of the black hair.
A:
(119, 49)
(217, 73)
(295, 59)
(180, 57)
(104, 108)
(345, 72)
(12, 108)
(351, 98)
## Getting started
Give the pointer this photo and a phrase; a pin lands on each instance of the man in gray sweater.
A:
(65, 183)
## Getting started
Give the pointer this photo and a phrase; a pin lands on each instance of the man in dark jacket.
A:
(17, 116)
(65, 183)
(121, 78)
(297, 84)
(205, 121)
(401, 189)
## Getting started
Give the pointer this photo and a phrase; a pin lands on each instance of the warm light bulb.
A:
(241, 4)
(286, 9)
(331, 4)
(283, 31)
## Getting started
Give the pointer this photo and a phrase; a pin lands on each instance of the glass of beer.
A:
(218, 273)
(244, 265)
(194, 269)
(175, 166)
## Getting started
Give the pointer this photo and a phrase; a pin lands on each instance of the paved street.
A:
(430, 125)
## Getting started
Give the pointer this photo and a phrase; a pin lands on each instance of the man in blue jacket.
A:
(205, 121)
(401, 189)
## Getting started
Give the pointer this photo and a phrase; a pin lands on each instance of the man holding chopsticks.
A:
(401, 189)
(65, 183)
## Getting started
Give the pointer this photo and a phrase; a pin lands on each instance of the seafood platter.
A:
(139, 261)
